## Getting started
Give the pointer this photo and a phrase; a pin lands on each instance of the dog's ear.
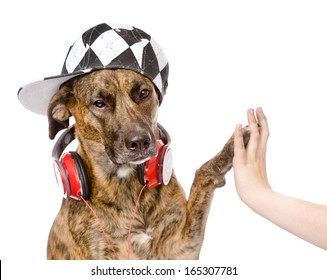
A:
(59, 110)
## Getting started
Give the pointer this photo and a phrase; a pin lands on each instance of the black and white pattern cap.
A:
(103, 46)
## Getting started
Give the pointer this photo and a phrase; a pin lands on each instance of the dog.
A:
(115, 112)
(122, 199)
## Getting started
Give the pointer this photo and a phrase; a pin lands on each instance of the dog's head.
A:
(114, 109)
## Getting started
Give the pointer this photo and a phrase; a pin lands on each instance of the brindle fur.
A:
(167, 225)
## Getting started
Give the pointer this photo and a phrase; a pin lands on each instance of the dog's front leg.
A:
(208, 177)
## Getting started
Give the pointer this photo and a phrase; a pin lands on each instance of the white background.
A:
(225, 56)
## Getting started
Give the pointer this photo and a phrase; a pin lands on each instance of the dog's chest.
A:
(142, 238)
(156, 221)
(139, 244)
(124, 232)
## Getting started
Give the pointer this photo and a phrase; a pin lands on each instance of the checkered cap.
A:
(103, 46)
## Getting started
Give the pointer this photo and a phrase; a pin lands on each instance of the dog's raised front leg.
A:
(208, 177)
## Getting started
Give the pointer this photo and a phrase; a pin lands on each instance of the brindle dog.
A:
(112, 108)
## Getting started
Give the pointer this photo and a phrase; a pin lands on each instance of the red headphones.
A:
(71, 173)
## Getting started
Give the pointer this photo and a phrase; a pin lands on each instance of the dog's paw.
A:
(223, 161)
(219, 165)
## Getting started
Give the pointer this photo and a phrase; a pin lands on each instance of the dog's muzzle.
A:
(136, 146)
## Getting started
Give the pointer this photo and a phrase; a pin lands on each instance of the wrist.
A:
(256, 195)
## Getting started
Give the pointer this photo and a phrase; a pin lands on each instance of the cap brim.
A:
(36, 96)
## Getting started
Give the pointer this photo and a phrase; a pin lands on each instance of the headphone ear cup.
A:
(72, 174)
(158, 170)
(165, 165)
(83, 187)
(62, 178)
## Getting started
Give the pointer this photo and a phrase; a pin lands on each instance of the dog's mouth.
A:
(141, 160)
(125, 156)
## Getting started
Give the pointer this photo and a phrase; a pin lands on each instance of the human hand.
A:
(249, 163)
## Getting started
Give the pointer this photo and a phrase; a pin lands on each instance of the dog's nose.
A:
(137, 142)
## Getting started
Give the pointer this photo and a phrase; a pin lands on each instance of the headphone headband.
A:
(63, 141)
(164, 134)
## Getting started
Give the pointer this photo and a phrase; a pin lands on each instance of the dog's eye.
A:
(99, 104)
(144, 94)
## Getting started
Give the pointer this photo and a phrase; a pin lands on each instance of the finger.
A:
(264, 128)
(255, 136)
(251, 117)
(262, 121)
(252, 121)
